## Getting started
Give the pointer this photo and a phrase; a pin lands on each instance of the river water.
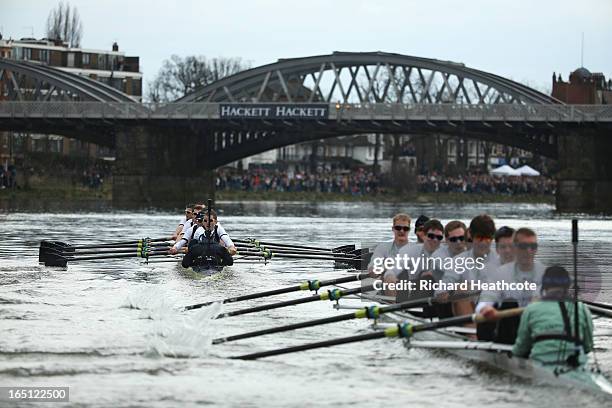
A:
(110, 330)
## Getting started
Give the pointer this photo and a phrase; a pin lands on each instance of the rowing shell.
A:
(499, 356)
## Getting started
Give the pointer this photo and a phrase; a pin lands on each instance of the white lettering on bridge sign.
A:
(274, 111)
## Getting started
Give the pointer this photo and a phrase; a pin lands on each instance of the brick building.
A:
(583, 87)
(111, 67)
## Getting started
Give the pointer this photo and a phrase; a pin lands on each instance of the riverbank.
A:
(386, 197)
(56, 197)
(61, 197)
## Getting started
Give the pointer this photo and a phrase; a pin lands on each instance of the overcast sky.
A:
(525, 40)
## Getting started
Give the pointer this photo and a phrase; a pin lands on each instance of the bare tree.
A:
(179, 76)
(64, 23)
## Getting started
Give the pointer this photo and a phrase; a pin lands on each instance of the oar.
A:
(370, 312)
(403, 330)
(601, 311)
(63, 245)
(247, 247)
(284, 248)
(112, 251)
(60, 260)
(58, 246)
(331, 295)
(270, 255)
(256, 242)
(312, 285)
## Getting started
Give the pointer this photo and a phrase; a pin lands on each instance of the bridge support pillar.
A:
(160, 168)
(585, 179)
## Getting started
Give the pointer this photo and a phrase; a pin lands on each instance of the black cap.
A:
(555, 277)
(420, 222)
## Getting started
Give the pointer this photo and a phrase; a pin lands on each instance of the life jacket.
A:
(207, 251)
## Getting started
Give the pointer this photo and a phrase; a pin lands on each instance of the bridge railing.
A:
(339, 112)
(461, 112)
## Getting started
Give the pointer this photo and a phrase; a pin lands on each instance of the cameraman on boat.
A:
(210, 245)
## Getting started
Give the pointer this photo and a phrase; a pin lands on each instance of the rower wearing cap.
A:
(547, 328)
(418, 228)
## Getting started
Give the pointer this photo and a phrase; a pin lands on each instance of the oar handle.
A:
(501, 314)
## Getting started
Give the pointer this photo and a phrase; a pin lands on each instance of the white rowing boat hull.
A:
(499, 356)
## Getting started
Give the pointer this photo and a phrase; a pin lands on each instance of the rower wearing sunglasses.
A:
(188, 216)
(477, 263)
(189, 229)
(390, 249)
(454, 243)
(524, 269)
(419, 267)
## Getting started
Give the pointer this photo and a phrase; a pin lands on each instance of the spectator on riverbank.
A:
(485, 184)
(360, 182)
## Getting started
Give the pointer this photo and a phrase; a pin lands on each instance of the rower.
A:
(219, 234)
(418, 228)
(188, 224)
(400, 227)
(210, 246)
(546, 332)
(424, 270)
(189, 230)
(455, 242)
(525, 269)
(188, 215)
(434, 234)
(477, 263)
(504, 244)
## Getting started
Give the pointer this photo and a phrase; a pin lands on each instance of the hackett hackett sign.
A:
(272, 111)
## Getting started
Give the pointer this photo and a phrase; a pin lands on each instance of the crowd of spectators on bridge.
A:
(362, 181)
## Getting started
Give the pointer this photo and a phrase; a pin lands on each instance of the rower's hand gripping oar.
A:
(402, 330)
(312, 285)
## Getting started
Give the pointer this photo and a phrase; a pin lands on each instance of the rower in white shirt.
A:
(524, 270)
(217, 232)
(188, 215)
(385, 250)
(483, 261)
(418, 259)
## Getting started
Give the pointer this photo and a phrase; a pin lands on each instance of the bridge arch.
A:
(27, 81)
(349, 77)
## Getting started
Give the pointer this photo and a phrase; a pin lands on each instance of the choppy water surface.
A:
(110, 330)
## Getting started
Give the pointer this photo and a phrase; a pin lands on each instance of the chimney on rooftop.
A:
(115, 46)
